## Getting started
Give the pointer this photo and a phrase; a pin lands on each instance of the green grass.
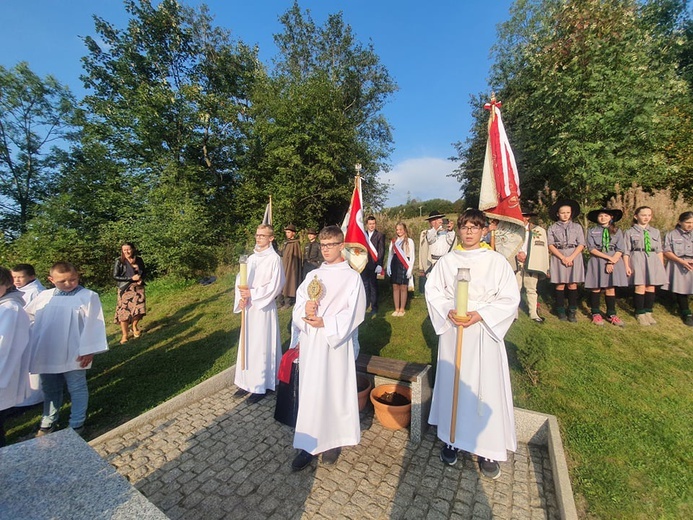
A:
(622, 396)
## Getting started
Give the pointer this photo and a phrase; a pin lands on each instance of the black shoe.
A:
(448, 455)
(79, 430)
(688, 320)
(45, 431)
(572, 316)
(489, 468)
(256, 398)
(562, 317)
(538, 320)
(240, 393)
(301, 461)
(329, 457)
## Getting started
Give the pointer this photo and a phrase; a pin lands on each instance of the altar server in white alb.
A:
(68, 329)
(14, 352)
(485, 423)
(263, 349)
(328, 410)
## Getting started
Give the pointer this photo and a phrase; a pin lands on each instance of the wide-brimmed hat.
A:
(574, 206)
(616, 214)
(526, 212)
(290, 227)
(434, 215)
(311, 231)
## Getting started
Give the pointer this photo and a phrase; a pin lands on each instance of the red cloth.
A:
(285, 364)
(355, 236)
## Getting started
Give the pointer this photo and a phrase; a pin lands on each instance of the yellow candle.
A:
(243, 273)
(462, 297)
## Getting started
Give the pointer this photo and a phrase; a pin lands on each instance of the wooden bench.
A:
(415, 375)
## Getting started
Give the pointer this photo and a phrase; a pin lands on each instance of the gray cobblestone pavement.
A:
(222, 457)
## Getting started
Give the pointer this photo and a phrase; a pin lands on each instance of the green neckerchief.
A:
(648, 245)
(606, 239)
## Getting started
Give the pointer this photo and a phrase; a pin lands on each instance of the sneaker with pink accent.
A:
(615, 320)
(597, 319)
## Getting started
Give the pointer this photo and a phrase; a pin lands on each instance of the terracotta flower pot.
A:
(392, 416)
(364, 387)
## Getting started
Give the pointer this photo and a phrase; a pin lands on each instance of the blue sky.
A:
(437, 51)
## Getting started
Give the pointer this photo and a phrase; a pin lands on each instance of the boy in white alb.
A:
(328, 410)
(26, 282)
(485, 423)
(68, 329)
(14, 348)
(263, 348)
(29, 287)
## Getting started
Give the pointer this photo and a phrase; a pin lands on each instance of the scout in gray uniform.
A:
(644, 263)
(566, 242)
(678, 250)
(605, 268)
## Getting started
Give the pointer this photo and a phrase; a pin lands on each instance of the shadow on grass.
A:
(173, 354)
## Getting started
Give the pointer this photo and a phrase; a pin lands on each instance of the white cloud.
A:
(423, 178)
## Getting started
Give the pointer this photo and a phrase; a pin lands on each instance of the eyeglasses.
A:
(470, 229)
(331, 245)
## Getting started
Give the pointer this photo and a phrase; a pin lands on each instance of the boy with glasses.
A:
(484, 420)
(263, 348)
(327, 315)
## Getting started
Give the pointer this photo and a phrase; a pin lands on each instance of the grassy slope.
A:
(622, 396)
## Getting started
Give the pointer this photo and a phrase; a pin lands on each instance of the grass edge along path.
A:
(622, 396)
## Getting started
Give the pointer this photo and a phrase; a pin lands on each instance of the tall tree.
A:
(587, 93)
(169, 95)
(35, 118)
(317, 115)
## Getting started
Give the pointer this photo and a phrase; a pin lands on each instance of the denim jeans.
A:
(53, 397)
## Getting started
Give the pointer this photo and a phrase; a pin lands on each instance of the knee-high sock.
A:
(649, 301)
(594, 302)
(639, 303)
(610, 305)
(572, 298)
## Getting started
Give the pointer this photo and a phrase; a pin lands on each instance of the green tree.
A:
(314, 117)
(169, 99)
(587, 98)
(35, 118)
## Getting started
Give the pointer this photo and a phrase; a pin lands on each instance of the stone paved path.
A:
(222, 457)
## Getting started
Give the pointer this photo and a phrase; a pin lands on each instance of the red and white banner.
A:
(499, 197)
(356, 243)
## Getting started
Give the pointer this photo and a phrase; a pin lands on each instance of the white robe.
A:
(64, 328)
(14, 351)
(328, 409)
(485, 421)
(34, 394)
(31, 290)
(263, 348)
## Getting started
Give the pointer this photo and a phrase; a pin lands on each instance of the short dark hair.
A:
(475, 217)
(62, 267)
(370, 217)
(27, 269)
(6, 277)
(331, 232)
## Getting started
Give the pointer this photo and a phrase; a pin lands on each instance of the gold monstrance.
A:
(315, 291)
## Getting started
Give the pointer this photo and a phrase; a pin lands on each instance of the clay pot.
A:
(364, 387)
(392, 417)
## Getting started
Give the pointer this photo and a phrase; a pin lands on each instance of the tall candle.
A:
(243, 272)
(462, 293)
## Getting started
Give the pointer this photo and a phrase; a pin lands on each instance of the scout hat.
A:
(311, 231)
(574, 206)
(290, 227)
(616, 214)
(434, 215)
